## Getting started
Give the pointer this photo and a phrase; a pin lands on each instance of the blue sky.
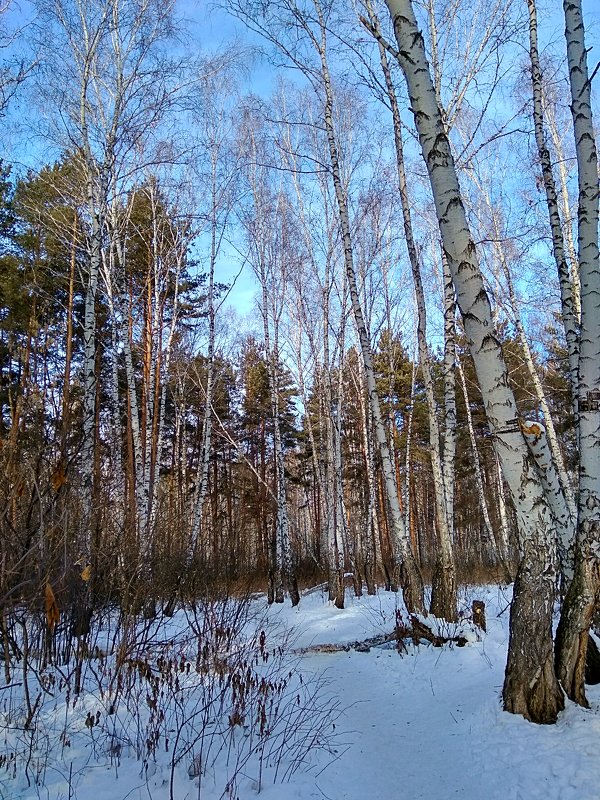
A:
(214, 29)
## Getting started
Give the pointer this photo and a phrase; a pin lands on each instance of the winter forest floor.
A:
(379, 725)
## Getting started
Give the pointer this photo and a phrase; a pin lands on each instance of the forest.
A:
(293, 294)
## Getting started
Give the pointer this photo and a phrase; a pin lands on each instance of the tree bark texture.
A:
(529, 689)
(579, 602)
(443, 590)
(566, 287)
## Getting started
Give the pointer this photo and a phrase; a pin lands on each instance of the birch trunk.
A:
(202, 479)
(66, 392)
(538, 441)
(283, 576)
(269, 256)
(568, 305)
(139, 482)
(82, 606)
(334, 563)
(345, 545)
(318, 476)
(503, 514)
(410, 576)
(371, 541)
(578, 607)
(408, 516)
(163, 380)
(88, 447)
(448, 469)
(567, 216)
(156, 267)
(109, 270)
(530, 686)
(328, 470)
(561, 497)
(444, 590)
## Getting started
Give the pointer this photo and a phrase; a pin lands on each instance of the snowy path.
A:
(429, 725)
(410, 741)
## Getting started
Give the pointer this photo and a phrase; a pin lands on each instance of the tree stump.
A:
(479, 614)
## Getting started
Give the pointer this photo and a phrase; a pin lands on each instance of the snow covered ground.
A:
(426, 724)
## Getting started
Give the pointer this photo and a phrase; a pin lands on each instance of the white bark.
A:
(444, 599)
(412, 583)
(450, 361)
(372, 539)
(569, 514)
(202, 475)
(88, 447)
(109, 270)
(567, 215)
(578, 608)
(502, 512)
(537, 440)
(530, 688)
(324, 347)
(179, 256)
(140, 481)
(407, 456)
(565, 517)
(566, 287)
(330, 415)
(589, 266)
(268, 232)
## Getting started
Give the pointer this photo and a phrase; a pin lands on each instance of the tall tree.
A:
(106, 76)
(531, 687)
(569, 302)
(271, 238)
(310, 21)
(444, 591)
(578, 608)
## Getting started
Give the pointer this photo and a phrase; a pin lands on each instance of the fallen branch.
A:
(417, 631)
(420, 631)
(360, 646)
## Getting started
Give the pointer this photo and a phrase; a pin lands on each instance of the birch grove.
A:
(230, 354)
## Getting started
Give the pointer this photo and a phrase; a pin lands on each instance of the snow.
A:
(425, 724)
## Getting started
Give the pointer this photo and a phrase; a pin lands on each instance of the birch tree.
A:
(443, 593)
(507, 263)
(321, 314)
(569, 302)
(271, 234)
(219, 173)
(106, 78)
(579, 603)
(307, 50)
(530, 686)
